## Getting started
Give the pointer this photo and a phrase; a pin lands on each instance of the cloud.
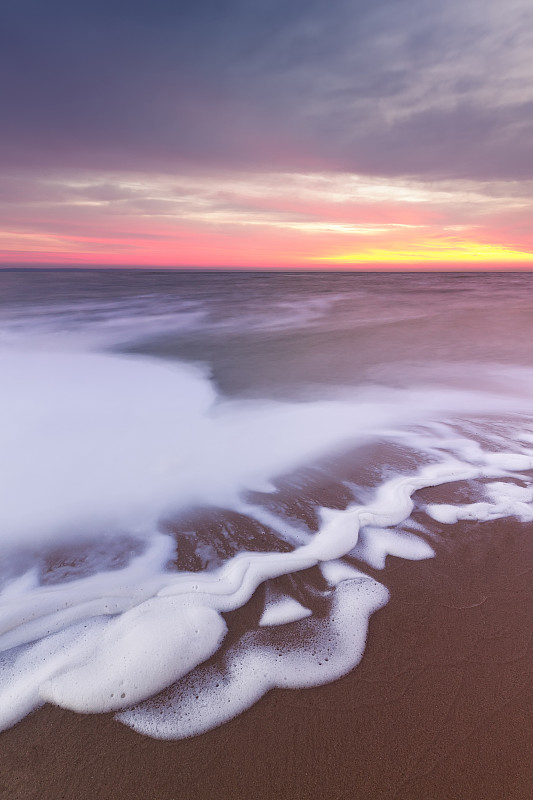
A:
(390, 88)
(268, 219)
(209, 132)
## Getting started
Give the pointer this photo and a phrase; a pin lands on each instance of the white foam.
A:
(505, 490)
(337, 571)
(375, 544)
(41, 610)
(138, 655)
(24, 670)
(280, 609)
(505, 500)
(148, 644)
(18, 587)
(513, 462)
(102, 444)
(325, 650)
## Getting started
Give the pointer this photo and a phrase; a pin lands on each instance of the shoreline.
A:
(440, 706)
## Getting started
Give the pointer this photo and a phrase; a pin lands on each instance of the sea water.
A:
(201, 473)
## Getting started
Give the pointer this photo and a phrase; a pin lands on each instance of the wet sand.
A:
(440, 707)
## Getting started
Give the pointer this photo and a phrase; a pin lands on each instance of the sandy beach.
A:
(266, 383)
(441, 706)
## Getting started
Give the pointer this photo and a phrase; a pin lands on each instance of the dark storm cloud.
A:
(391, 87)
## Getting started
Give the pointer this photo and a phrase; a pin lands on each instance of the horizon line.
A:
(362, 268)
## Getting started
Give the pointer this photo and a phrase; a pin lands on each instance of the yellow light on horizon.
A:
(438, 252)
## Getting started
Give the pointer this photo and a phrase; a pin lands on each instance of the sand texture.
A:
(440, 707)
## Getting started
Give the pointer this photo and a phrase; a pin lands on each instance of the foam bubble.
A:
(24, 669)
(138, 655)
(326, 649)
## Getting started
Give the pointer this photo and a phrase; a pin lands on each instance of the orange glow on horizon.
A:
(269, 221)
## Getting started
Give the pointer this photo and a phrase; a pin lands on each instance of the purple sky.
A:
(204, 132)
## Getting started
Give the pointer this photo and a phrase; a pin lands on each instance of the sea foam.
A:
(95, 445)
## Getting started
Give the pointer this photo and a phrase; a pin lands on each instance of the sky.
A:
(267, 133)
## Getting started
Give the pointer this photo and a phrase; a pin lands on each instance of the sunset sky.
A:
(267, 133)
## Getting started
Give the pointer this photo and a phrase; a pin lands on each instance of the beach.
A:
(266, 400)
(269, 537)
(440, 706)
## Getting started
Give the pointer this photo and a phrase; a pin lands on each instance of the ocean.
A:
(205, 475)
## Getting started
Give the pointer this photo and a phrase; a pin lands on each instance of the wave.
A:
(172, 555)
